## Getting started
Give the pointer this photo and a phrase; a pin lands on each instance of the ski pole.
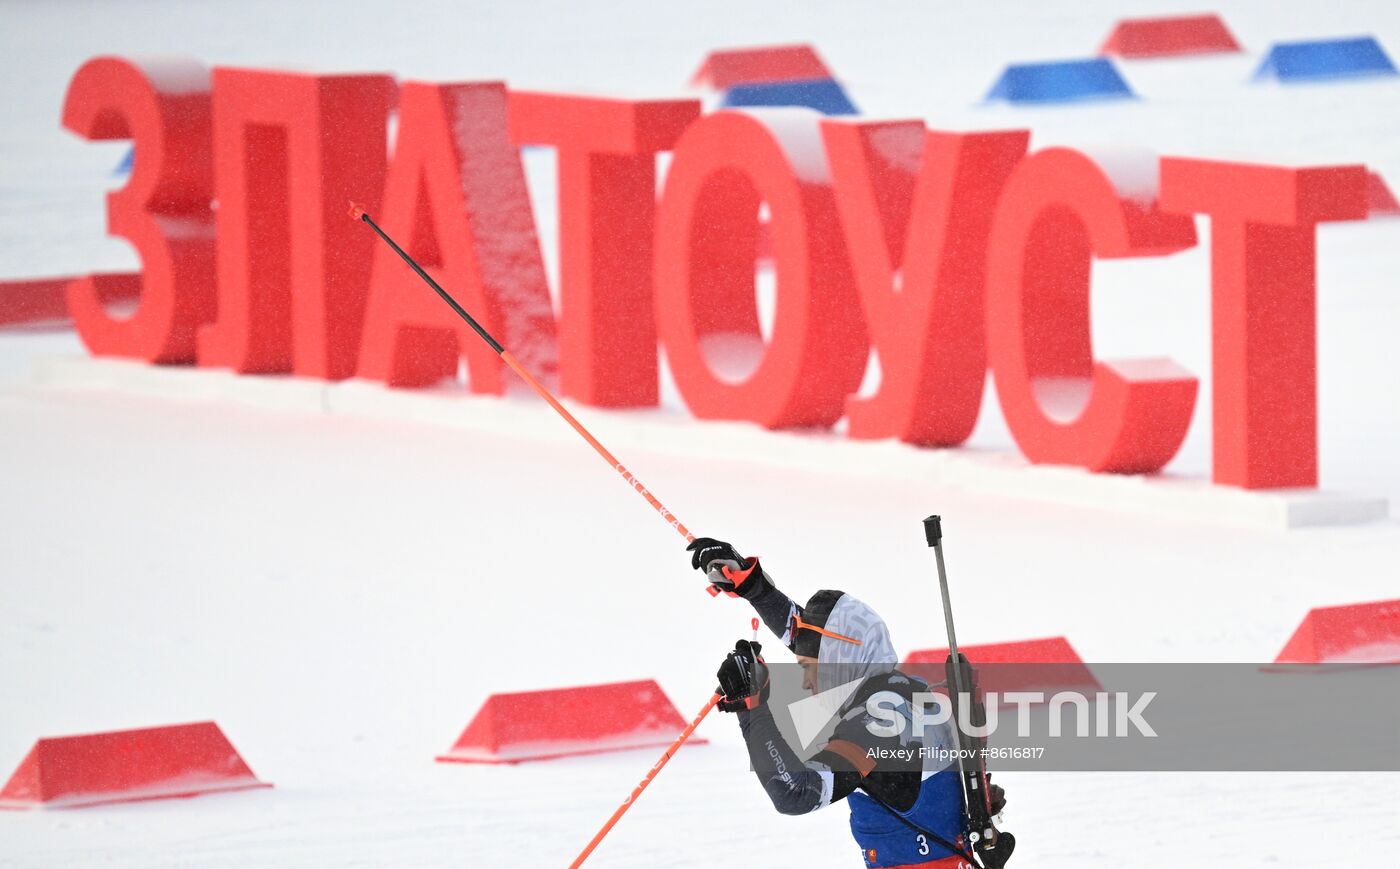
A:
(637, 791)
(358, 213)
(992, 847)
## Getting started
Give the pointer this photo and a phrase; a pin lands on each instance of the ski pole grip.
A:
(933, 530)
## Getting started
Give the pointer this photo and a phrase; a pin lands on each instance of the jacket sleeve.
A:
(795, 787)
(776, 609)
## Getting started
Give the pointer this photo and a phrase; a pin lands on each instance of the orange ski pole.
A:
(358, 213)
(637, 791)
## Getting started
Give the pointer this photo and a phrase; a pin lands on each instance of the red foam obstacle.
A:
(1363, 633)
(1169, 36)
(728, 67)
(45, 300)
(1052, 665)
(182, 760)
(1379, 198)
(564, 722)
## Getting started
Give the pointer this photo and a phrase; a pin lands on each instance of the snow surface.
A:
(341, 594)
(798, 130)
(175, 75)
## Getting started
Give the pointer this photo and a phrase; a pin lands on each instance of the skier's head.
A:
(838, 639)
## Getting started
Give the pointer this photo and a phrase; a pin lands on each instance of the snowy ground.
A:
(341, 594)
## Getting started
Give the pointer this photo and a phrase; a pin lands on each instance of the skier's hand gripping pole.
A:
(358, 213)
(991, 846)
(641, 786)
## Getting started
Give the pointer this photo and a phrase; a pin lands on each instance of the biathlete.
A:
(906, 809)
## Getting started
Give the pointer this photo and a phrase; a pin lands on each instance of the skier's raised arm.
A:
(730, 572)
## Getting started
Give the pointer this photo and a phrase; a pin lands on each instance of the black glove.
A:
(743, 678)
(726, 569)
(998, 797)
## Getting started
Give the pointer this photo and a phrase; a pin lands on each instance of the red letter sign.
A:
(1264, 307)
(456, 199)
(1062, 407)
(607, 209)
(293, 150)
(163, 210)
(724, 167)
(919, 246)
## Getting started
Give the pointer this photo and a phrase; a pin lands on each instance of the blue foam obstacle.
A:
(124, 167)
(1325, 59)
(823, 94)
(1061, 81)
